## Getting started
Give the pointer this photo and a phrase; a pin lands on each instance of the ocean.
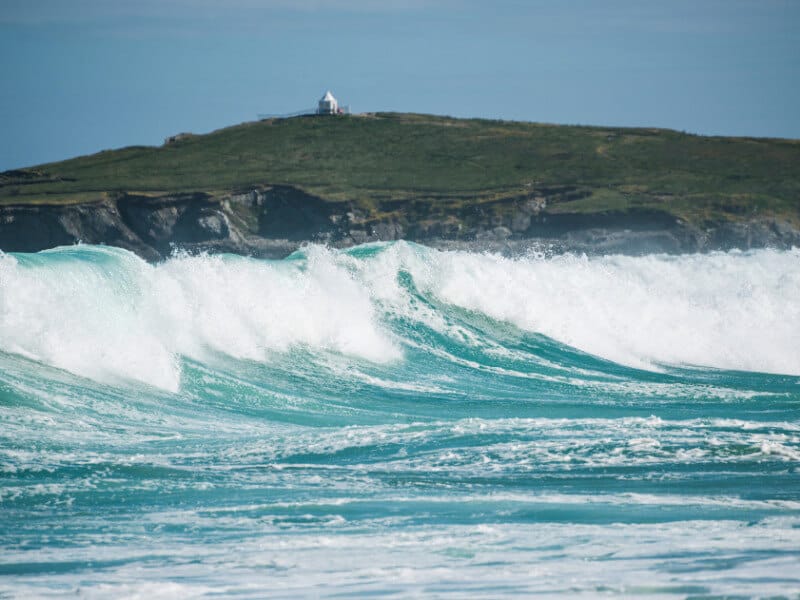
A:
(394, 420)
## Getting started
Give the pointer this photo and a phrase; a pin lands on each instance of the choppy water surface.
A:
(397, 420)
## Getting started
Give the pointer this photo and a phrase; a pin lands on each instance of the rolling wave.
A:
(105, 314)
(393, 419)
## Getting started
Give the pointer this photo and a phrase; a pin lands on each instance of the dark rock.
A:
(387, 231)
(215, 224)
(274, 221)
(292, 214)
(30, 229)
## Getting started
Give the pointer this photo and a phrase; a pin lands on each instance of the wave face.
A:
(393, 419)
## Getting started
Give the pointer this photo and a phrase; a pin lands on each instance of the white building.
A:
(328, 105)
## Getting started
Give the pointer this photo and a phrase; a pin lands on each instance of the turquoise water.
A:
(395, 420)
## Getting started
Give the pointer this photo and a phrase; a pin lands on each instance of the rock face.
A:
(274, 221)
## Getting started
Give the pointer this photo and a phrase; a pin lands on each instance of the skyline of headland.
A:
(91, 75)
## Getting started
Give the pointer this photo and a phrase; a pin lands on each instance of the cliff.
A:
(274, 221)
(265, 188)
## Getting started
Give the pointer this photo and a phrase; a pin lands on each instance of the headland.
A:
(265, 188)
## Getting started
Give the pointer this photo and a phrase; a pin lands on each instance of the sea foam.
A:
(105, 314)
(726, 310)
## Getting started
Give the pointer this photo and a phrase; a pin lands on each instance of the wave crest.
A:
(104, 314)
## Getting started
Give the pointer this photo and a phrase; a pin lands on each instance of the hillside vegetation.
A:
(387, 156)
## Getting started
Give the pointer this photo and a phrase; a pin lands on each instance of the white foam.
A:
(725, 310)
(376, 558)
(105, 314)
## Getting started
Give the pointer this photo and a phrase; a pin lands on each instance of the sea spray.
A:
(393, 419)
(105, 314)
(729, 311)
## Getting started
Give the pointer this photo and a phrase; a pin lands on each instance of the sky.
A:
(80, 76)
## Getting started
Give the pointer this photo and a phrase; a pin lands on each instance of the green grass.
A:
(390, 156)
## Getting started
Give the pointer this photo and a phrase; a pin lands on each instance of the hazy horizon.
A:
(95, 74)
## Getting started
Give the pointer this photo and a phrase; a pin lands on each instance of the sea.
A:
(396, 421)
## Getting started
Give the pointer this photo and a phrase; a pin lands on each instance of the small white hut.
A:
(328, 105)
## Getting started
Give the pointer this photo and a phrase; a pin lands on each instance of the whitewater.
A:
(397, 420)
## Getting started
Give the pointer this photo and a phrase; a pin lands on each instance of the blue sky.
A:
(80, 76)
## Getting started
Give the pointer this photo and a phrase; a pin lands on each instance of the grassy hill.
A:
(388, 156)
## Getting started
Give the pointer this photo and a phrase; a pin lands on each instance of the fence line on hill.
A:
(308, 111)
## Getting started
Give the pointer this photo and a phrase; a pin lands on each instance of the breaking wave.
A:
(397, 420)
(105, 314)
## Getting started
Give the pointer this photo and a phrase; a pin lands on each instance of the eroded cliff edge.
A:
(266, 187)
(273, 221)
